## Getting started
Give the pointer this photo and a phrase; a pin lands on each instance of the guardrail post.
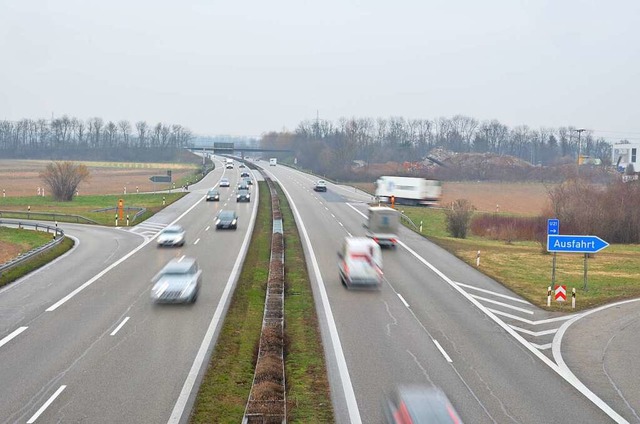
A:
(420, 225)
(127, 220)
(478, 259)
(116, 220)
(164, 201)
(137, 191)
(4, 194)
(549, 296)
(573, 298)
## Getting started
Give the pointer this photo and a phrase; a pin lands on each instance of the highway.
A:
(80, 341)
(435, 321)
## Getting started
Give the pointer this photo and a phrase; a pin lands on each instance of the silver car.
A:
(178, 282)
(173, 235)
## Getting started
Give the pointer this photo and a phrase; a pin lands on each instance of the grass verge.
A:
(85, 205)
(525, 267)
(225, 388)
(36, 262)
(308, 393)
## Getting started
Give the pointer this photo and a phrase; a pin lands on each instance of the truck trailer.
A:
(408, 190)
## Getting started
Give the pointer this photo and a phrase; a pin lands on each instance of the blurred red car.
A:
(419, 405)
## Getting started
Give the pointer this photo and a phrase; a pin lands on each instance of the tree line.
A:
(330, 148)
(72, 138)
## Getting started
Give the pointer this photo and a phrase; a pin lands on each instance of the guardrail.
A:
(49, 216)
(58, 236)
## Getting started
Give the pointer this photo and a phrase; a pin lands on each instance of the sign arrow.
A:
(575, 244)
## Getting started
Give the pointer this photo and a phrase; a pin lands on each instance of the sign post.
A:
(576, 244)
(553, 228)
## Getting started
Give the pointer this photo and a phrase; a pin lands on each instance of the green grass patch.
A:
(225, 389)
(308, 393)
(25, 239)
(85, 206)
(525, 267)
(36, 262)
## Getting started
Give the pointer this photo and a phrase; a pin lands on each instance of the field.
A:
(516, 198)
(20, 178)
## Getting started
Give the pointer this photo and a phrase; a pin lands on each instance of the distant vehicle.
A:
(241, 165)
(242, 185)
(408, 190)
(229, 163)
(173, 235)
(213, 195)
(227, 219)
(244, 174)
(419, 404)
(243, 195)
(248, 180)
(273, 162)
(360, 263)
(224, 182)
(382, 225)
(321, 185)
(178, 282)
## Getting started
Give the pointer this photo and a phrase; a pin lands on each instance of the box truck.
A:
(273, 162)
(382, 225)
(408, 190)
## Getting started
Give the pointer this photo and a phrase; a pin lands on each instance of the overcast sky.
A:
(245, 67)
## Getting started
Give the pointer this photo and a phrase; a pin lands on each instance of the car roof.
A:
(174, 228)
(227, 212)
(213, 190)
(177, 265)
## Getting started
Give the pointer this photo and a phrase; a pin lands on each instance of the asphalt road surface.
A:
(435, 321)
(80, 341)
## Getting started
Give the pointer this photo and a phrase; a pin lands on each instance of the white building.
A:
(627, 153)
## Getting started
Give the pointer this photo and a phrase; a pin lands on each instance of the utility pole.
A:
(579, 131)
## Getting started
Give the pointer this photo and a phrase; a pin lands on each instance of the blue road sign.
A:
(553, 226)
(575, 244)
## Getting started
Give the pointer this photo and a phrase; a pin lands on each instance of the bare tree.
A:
(125, 131)
(63, 179)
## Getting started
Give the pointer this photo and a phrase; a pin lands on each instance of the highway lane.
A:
(492, 377)
(108, 354)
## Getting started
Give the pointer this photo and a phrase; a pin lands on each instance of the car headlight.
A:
(234, 222)
(217, 221)
(238, 196)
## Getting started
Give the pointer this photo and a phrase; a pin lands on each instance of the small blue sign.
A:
(553, 226)
(575, 244)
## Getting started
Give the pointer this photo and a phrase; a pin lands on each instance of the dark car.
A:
(243, 195)
(241, 166)
(420, 404)
(247, 181)
(227, 219)
(244, 174)
(321, 185)
(213, 195)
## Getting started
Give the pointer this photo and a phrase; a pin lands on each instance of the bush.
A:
(458, 216)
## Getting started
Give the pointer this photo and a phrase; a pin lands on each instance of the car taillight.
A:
(393, 241)
(375, 239)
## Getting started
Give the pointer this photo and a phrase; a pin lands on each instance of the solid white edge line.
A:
(402, 299)
(11, 336)
(46, 405)
(116, 263)
(561, 369)
(124, 321)
(190, 381)
(347, 387)
(447, 357)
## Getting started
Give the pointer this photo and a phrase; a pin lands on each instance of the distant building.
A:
(625, 153)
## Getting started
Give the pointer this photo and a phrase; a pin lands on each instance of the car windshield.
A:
(226, 215)
(173, 230)
(213, 191)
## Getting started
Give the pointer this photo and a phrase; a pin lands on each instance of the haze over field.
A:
(244, 68)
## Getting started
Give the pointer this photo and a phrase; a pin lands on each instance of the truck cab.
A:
(360, 263)
(273, 162)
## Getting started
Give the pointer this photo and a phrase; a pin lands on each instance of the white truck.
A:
(408, 190)
(360, 263)
(273, 162)
(229, 163)
(382, 225)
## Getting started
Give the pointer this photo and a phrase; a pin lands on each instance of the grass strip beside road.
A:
(36, 262)
(525, 267)
(225, 388)
(85, 205)
(308, 392)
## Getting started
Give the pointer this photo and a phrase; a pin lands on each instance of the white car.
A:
(360, 263)
(173, 235)
(224, 182)
(177, 282)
